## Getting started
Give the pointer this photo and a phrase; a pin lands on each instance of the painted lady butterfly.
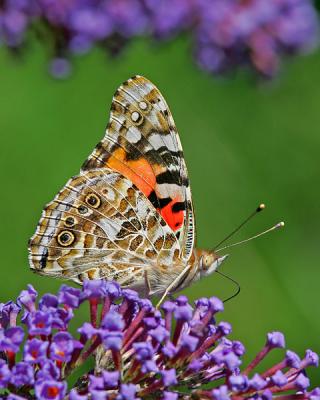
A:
(128, 215)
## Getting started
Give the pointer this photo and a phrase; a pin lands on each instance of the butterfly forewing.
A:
(97, 220)
(142, 143)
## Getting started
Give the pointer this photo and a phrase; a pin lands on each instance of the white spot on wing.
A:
(133, 135)
(135, 116)
(109, 194)
(158, 141)
(143, 105)
(110, 227)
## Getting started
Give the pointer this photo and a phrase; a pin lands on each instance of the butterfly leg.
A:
(173, 285)
(148, 286)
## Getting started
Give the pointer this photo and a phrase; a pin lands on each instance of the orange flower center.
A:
(52, 392)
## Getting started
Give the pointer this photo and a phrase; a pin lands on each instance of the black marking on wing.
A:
(179, 206)
(158, 202)
(165, 201)
(43, 260)
(168, 177)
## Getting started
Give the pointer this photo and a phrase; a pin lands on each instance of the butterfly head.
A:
(209, 261)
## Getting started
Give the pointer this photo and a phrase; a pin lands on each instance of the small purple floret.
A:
(189, 342)
(292, 359)
(47, 302)
(144, 351)
(257, 382)
(315, 394)
(113, 290)
(238, 383)
(74, 395)
(88, 330)
(5, 374)
(27, 298)
(50, 390)
(183, 312)
(39, 323)
(275, 340)
(221, 393)
(35, 351)
(111, 379)
(93, 289)
(225, 328)
(112, 321)
(48, 370)
(96, 382)
(22, 374)
(159, 334)
(266, 395)
(11, 339)
(238, 348)
(69, 296)
(112, 340)
(127, 392)
(311, 359)
(168, 306)
(62, 346)
(169, 377)
(279, 379)
(302, 382)
(169, 396)
(215, 305)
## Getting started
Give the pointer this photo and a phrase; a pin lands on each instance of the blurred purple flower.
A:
(60, 68)
(226, 33)
(90, 22)
(253, 32)
(128, 17)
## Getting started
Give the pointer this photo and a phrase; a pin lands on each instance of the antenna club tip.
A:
(281, 224)
(261, 207)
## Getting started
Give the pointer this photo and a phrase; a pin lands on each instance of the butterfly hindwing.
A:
(101, 225)
(142, 143)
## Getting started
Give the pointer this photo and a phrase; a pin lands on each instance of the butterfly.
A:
(128, 215)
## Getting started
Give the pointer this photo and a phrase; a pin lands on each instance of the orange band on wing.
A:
(138, 171)
(173, 219)
(142, 175)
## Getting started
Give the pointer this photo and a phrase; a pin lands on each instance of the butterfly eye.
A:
(93, 200)
(206, 261)
(65, 238)
(136, 117)
(69, 222)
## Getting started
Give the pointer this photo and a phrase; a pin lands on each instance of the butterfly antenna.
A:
(233, 281)
(277, 226)
(256, 211)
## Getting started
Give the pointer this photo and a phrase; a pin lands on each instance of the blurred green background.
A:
(244, 142)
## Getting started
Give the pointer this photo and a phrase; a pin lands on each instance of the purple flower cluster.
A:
(226, 33)
(139, 351)
(254, 32)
